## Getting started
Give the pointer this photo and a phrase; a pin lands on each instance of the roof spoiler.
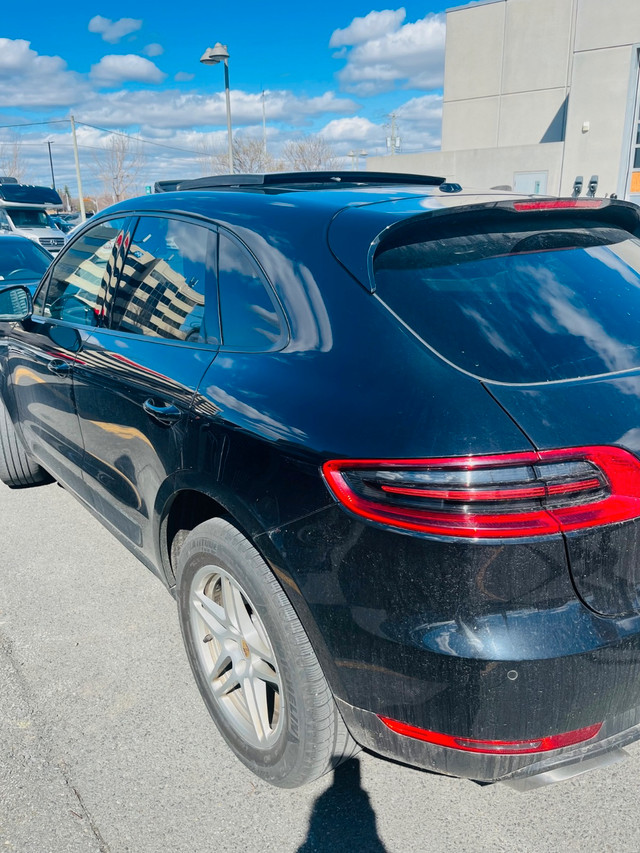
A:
(308, 179)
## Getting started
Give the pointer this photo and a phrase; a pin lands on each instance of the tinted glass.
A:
(247, 310)
(162, 289)
(521, 305)
(80, 276)
(29, 217)
(22, 260)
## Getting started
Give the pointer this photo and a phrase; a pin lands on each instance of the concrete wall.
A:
(473, 55)
(537, 85)
(607, 23)
(497, 90)
(599, 96)
(538, 43)
(488, 167)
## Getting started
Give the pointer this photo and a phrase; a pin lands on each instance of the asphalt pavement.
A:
(106, 747)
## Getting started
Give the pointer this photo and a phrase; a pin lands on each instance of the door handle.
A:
(59, 366)
(166, 414)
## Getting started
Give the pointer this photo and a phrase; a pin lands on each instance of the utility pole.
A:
(83, 214)
(53, 180)
(393, 141)
(264, 124)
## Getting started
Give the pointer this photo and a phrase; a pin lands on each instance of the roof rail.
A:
(302, 179)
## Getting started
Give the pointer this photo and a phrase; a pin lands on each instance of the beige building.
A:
(537, 93)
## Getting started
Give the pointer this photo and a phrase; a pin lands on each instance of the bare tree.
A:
(119, 167)
(212, 159)
(249, 157)
(309, 153)
(11, 163)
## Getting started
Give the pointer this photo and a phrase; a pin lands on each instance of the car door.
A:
(43, 353)
(140, 371)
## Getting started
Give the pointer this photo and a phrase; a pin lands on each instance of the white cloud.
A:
(113, 70)
(422, 109)
(113, 31)
(28, 79)
(177, 109)
(353, 130)
(411, 55)
(373, 26)
(153, 50)
(419, 123)
(183, 77)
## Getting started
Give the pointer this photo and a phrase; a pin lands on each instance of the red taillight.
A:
(502, 496)
(559, 204)
(495, 747)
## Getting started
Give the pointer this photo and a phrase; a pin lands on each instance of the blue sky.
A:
(338, 69)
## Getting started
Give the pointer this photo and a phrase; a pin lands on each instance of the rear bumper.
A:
(522, 772)
(484, 641)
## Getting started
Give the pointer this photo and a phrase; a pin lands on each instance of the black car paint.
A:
(489, 641)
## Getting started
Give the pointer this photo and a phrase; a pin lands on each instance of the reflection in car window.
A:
(249, 318)
(80, 277)
(161, 292)
(22, 259)
(514, 302)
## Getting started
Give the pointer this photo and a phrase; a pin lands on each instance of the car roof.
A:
(212, 197)
(353, 209)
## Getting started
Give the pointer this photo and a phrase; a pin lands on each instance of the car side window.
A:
(80, 277)
(162, 288)
(249, 317)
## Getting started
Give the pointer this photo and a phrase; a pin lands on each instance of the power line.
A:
(35, 123)
(103, 130)
(139, 138)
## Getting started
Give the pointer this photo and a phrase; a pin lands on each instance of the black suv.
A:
(380, 437)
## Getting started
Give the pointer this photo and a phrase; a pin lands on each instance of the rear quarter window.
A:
(518, 304)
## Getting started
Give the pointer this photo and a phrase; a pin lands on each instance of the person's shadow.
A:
(342, 817)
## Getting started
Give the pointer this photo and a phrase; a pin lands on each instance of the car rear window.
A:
(518, 303)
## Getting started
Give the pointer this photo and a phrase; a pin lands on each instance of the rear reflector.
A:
(494, 747)
(503, 496)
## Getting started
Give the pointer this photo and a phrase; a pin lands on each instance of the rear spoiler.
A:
(355, 234)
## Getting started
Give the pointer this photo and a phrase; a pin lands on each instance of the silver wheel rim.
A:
(236, 657)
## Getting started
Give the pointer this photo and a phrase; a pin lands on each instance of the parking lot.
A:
(106, 746)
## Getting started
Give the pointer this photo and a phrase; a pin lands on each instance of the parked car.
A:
(62, 223)
(380, 437)
(25, 210)
(22, 260)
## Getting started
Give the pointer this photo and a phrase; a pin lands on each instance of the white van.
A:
(23, 210)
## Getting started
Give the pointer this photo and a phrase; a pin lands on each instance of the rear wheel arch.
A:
(188, 507)
(183, 511)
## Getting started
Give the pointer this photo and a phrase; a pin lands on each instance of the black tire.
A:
(303, 735)
(17, 469)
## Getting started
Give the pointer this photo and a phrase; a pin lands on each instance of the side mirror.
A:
(16, 303)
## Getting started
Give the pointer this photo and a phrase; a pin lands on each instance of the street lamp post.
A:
(212, 56)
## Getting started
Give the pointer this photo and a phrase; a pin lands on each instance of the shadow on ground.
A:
(342, 817)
